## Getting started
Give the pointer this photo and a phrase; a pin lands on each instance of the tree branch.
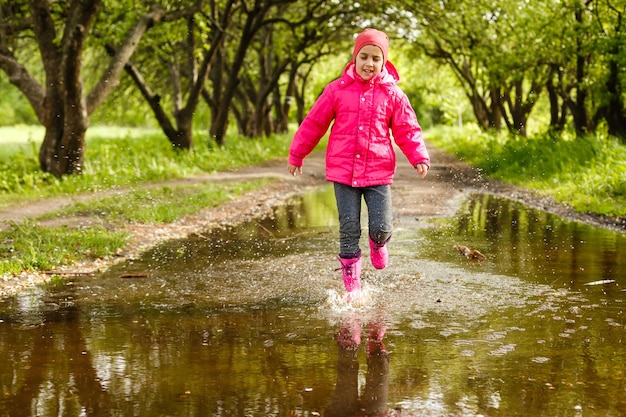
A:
(24, 81)
(45, 33)
(110, 78)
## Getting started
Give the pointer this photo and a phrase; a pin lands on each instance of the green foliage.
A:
(26, 246)
(588, 173)
(506, 55)
(432, 88)
(14, 107)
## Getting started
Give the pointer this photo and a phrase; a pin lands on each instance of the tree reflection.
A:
(57, 375)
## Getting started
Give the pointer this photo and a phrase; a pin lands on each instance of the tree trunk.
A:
(299, 93)
(65, 111)
(556, 121)
(220, 119)
(486, 105)
(518, 106)
(62, 150)
(282, 119)
(481, 111)
(252, 24)
(613, 110)
(243, 113)
(62, 107)
(578, 106)
(494, 111)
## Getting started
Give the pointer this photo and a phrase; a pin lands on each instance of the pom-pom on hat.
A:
(371, 37)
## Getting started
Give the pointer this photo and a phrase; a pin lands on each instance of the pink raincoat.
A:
(366, 114)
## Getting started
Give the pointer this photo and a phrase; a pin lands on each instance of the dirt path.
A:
(439, 194)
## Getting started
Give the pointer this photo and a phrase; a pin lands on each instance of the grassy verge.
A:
(161, 204)
(588, 173)
(27, 246)
(113, 160)
(120, 162)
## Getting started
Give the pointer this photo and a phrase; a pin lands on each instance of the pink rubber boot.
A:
(351, 270)
(375, 337)
(378, 254)
(349, 336)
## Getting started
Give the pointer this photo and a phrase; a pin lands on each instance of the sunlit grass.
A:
(123, 157)
(588, 173)
(162, 204)
(26, 246)
(19, 135)
(123, 160)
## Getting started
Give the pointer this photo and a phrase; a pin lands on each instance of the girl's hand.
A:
(294, 170)
(421, 169)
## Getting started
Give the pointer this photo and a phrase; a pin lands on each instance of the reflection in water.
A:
(534, 244)
(346, 400)
(192, 363)
(51, 368)
(247, 322)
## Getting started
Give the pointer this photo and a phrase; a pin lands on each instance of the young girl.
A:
(368, 108)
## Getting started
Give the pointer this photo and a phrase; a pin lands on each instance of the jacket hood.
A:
(389, 74)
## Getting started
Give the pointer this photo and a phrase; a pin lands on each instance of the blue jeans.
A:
(378, 201)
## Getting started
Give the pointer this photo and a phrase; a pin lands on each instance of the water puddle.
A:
(251, 322)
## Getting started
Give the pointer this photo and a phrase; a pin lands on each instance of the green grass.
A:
(122, 160)
(161, 204)
(26, 246)
(588, 173)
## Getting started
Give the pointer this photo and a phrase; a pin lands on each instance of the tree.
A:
(296, 35)
(586, 67)
(484, 46)
(572, 51)
(609, 16)
(60, 31)
(505, 54)
(185, 62)
(224, 88)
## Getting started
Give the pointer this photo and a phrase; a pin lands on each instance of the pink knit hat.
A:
(372, 37)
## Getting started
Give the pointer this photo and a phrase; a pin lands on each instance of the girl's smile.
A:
(369, 62)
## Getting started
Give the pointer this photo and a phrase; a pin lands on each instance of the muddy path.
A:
(439, 194)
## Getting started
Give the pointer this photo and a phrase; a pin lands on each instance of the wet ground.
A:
(250, 321)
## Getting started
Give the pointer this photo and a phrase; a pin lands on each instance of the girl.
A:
(368, 108)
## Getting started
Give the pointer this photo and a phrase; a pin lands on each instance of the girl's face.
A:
(369, 61)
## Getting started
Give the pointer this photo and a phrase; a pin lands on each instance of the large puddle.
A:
(250, 322)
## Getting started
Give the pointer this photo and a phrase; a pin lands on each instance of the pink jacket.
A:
(360, 151)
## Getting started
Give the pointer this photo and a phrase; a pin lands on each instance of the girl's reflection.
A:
(373, 400)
